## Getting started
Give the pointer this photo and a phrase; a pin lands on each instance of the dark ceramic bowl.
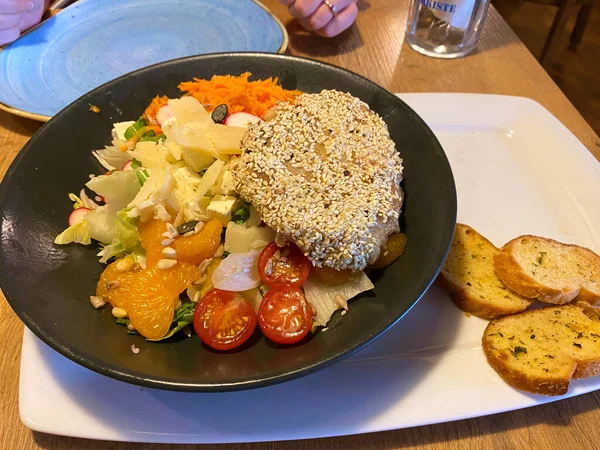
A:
(49, 286)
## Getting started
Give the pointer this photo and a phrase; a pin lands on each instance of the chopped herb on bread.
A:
(539, 351)
(468, 275)
(549, 271)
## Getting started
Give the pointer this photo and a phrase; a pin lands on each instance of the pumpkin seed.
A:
(187, 227)
(219, 113)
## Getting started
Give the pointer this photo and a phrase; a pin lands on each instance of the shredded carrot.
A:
(152, 109)
(238, 93)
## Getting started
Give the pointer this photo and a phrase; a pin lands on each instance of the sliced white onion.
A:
(238, 272)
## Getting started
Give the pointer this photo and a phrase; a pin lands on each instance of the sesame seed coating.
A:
(324, 174)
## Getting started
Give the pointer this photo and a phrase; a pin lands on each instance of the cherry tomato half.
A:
(224, 320)
(283, 266)
(285, 316)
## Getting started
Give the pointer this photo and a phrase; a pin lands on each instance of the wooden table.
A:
(375, 49)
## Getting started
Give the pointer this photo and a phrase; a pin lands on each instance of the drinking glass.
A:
(445, 29)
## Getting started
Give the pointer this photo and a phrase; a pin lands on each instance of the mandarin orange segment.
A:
(151, 312)
(176, 279)
(200, 246)
(114, 284)
(150, 237)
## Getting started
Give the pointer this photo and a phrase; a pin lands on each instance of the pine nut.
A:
(169, 252)
(119, 313)
(166, 263)
(124, 265)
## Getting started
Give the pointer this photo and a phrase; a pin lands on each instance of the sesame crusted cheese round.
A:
(324, 174)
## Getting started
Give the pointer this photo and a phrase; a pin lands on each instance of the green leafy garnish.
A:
(133, 129)
(142, 176)
(241, 215)
(185, 313)
(150, 136)
(135, 164)
(183, 317)
(518, 349)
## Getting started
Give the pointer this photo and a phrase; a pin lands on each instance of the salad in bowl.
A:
(240, 205)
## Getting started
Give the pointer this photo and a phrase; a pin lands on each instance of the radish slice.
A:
(127, 165)
(238, 272)
(164, 113)
(77, 215)
(241, 119)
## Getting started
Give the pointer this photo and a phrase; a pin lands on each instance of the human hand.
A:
(318, 17)
(17, 16)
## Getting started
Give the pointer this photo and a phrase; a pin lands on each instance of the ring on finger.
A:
(331, 7)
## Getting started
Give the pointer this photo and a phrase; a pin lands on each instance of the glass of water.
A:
(446, 28)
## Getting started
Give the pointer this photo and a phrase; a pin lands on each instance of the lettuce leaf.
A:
(118, 188)
(152, 197)
(126, 239)
(101, 223)
(321, 295)
(111, 157)
(79, 233)
(82, 201)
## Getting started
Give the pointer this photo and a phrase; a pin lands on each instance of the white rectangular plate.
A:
(518, 170)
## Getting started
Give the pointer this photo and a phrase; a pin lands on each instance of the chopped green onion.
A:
(145, 138)
(142, 176)
(133, 129)
(241, 215)
(135, 164)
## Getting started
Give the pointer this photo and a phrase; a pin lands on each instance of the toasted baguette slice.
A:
(540, 350)
(550, 271)
(468, 275)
